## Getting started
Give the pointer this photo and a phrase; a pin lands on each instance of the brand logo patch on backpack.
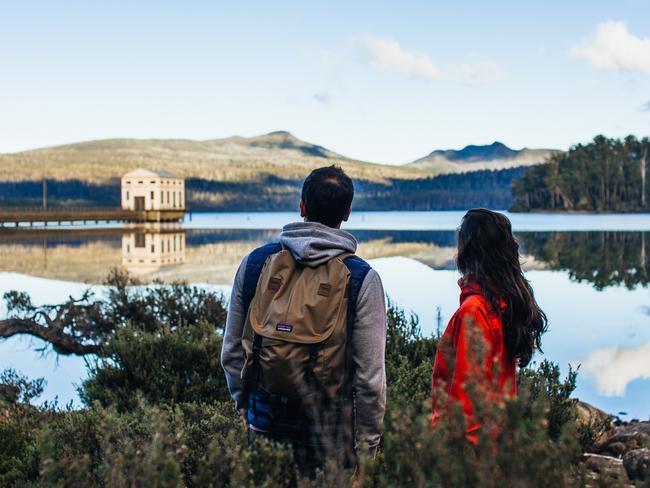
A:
(324, 290)
(284, 327)
(275, 284)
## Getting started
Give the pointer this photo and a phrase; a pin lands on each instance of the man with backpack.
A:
(303, 349)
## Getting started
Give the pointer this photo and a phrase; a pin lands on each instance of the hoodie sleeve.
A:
(232, 350)
(368, 349)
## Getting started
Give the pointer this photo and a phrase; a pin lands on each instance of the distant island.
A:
(495, 156)
(262, 173)
(605, 175)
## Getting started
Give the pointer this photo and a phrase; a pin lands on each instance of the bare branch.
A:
(62, 342)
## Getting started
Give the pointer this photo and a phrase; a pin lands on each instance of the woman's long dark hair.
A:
(488, 253)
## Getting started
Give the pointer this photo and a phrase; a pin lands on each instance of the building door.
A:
(140, 239)
(139, 203)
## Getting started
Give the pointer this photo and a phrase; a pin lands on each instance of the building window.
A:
(153, 248)
(162, 195)
(152, 197)
(139, 239)
(127, 195)
(128, 182)
(139, 182)
(167, 196)
(174, 204)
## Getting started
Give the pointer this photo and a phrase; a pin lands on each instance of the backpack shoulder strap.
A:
(358, 271)
(254, 265)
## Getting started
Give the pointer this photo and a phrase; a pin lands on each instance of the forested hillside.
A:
(272, 193)
(605, 175)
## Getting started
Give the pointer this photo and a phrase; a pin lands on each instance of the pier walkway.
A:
(31, 216)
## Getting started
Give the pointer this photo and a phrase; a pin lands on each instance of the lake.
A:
(590, 274)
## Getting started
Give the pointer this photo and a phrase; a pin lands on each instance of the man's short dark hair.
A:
(327, 193)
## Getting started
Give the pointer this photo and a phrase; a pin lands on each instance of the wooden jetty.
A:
(31, 216)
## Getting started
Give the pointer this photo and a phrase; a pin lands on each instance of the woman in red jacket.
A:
(498, 324)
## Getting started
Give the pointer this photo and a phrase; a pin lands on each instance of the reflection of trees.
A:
(602, 258)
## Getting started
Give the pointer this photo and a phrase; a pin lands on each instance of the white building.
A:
(145, 189)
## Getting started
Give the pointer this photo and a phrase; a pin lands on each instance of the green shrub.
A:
(409, 359)
(157, 413)
(161, 366)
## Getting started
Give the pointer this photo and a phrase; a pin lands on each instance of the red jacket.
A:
(456, 357)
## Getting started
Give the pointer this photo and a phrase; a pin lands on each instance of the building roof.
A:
(144, 173)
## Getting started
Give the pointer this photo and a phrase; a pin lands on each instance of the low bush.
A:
(157, 413)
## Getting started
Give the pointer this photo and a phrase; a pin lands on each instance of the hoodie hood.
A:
(313, 244)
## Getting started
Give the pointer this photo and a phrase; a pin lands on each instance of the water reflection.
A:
(147, 250)
(601, 258)
(211, 255)
(614, 368)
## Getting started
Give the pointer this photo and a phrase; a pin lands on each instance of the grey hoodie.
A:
(313, 244)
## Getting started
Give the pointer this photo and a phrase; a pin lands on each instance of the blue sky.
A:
(379, 81)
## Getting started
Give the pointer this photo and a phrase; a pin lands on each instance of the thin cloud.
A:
(615, 367)
(474, 73)
(323, 98)
(387, 55)
(328, 58)
(614, 47)
(645, 107)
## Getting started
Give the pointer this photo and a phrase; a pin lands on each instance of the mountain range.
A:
(473, 158)
(237, 159)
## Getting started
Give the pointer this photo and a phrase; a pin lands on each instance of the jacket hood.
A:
(313, 244)
(470, 287)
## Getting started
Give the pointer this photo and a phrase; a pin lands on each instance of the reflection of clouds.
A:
(615, 367)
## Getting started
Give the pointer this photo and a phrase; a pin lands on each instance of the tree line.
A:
(605, 175)
(483, 188)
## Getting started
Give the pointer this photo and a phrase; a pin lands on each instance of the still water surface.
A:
(590, 274)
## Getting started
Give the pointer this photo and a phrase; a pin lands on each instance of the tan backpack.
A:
(296, 330)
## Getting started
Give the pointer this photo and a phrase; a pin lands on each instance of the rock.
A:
(606, 468)
(588, 414)
(631, 440)
(637, 464)
(625, 437)
(634, 427)
(616, 449)
(597, 424)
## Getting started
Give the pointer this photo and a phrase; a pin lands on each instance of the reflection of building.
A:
(148, 250)
(143, 189)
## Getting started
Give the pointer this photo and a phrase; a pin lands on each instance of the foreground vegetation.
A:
(605, 175)
(157, 412)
